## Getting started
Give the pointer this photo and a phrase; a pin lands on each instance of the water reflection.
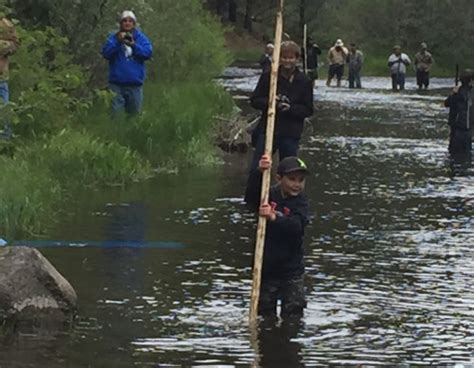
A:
(277, 345)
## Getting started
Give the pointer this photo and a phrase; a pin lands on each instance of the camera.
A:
(283, 99)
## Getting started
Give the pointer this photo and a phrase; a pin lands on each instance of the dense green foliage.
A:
(376, 25)
(60, 104)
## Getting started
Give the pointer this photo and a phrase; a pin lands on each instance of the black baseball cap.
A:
(291, 164)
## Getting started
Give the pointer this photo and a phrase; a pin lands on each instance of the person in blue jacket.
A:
(127, 50)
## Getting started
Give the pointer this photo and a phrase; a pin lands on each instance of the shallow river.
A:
(162, 268)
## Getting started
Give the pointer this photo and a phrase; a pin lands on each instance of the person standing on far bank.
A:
(398, 62)
(423, 62)
(337, 56)
(8, 46)
(355, 61)
(127, 50)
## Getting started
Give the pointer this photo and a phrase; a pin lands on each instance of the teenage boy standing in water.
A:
(294, 105)
(287, 216)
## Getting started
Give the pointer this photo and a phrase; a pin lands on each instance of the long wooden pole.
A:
(305, 48)
(262, 222)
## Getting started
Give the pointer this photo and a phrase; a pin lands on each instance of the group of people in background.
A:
(399, 61)
(339, 56)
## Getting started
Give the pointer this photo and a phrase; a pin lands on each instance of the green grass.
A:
(76, 157)
(27, 197)
(176, 126)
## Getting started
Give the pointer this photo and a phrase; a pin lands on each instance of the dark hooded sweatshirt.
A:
(283, 254)
(299, 91)
(458, 109)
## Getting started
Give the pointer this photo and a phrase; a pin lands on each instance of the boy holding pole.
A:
(287, 216)
(294, 105)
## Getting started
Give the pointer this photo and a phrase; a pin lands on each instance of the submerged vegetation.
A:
(64, 135)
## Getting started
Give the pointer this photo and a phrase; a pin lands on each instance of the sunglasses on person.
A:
(128, 20)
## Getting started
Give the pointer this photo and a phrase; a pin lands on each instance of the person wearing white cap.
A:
(423, 62)
(127, 50)
(337, 57)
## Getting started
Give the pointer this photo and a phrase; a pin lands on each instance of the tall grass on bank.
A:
(27, 197)
(74, 157)
(176, 127)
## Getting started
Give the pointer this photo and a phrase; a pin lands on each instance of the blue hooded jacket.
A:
(123, 70)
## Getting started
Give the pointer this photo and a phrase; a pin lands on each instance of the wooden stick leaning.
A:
(262, 222)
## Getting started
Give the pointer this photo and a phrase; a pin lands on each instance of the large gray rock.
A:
(31, 289)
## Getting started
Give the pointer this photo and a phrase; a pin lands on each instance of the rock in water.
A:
(31, 289)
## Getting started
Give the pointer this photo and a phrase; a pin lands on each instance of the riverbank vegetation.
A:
(59, 110)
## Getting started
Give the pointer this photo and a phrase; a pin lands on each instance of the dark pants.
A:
(398, 80)
(422, 78)
(460, 141)
(290, 292)
(286, 147)
(313, 74)
(336, 70)
(354, 79)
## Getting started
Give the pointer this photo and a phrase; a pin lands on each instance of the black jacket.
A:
(283, 254)
(266, 63)
(458, 106)
(313, 52)
(299, 91)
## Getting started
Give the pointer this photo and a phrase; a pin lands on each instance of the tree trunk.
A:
(302, 16)
(232, 11)
(220, 7)
(248, 16)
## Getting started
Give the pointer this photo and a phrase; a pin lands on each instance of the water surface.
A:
(162, 268)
